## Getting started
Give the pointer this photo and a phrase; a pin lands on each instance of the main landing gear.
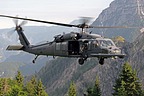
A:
(81, 60)
(101, 61)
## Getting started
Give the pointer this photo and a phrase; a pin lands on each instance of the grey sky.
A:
(52, 10)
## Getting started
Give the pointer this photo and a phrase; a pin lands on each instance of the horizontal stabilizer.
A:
(14, 47)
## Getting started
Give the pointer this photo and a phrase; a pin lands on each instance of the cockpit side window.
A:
(106, 43)
(95, 43)
(109, 43)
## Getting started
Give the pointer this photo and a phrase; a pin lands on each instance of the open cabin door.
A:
(73, 47)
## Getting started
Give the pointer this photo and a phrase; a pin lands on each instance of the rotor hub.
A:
(18, 28)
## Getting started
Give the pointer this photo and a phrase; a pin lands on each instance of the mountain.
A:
(20, 60)
(121, 13)
(38, 34)
(59, 73)
(23, 61)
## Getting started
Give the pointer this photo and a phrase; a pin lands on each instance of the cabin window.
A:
(58, 46)
(63, 46)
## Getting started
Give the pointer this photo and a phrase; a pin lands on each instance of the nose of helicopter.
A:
(114, 50)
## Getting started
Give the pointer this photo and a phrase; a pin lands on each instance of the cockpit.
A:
(104, 42)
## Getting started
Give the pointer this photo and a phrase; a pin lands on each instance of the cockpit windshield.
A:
(106, 42)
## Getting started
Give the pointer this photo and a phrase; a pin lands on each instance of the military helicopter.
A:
(80, 45)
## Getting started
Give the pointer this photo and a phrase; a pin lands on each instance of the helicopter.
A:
(82, 45)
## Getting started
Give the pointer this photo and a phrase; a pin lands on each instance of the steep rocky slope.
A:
(21, 60)
(121, 13)
(58, 73)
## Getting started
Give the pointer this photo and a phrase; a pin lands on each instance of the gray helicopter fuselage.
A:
(75, 48)
(79, 45)
(74, 44)
(66, 45)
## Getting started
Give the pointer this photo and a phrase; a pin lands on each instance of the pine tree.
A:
(31, 87)
(90, 91)
(15, 87)
(95, 91)
(127, 84)
(4, 86)
(19, 78)
(34, 81)
(40, 89)
(72, 90)
(17, 90)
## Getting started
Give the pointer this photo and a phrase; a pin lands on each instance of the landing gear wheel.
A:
(35, 58)
(33, 61)
(101, 61)
(81, 61)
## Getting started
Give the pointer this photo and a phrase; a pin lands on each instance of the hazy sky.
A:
(52, 10)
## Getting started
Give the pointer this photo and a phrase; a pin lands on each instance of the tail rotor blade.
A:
(10, 33)
(15, 21)
(23, 23)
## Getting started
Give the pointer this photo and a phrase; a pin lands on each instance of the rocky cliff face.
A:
(58, 74)
(136, 55)
(121, 13)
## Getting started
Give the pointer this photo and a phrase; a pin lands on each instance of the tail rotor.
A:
(18, 27)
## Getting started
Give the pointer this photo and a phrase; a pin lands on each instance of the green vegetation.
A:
(119, 39)
(95, 91)
(72, 90)
(128, 83)
(16, 87)
(55, 69)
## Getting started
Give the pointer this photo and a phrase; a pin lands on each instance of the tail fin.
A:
(22, 37)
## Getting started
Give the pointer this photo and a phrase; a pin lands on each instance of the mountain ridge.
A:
(22, 57)
(58, 73)
(119, 13)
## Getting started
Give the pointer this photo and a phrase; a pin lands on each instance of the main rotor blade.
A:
(85, 20)
(61, 24)
(67, 25)
(112, 27)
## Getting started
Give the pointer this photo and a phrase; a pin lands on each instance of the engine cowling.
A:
(68, 36)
